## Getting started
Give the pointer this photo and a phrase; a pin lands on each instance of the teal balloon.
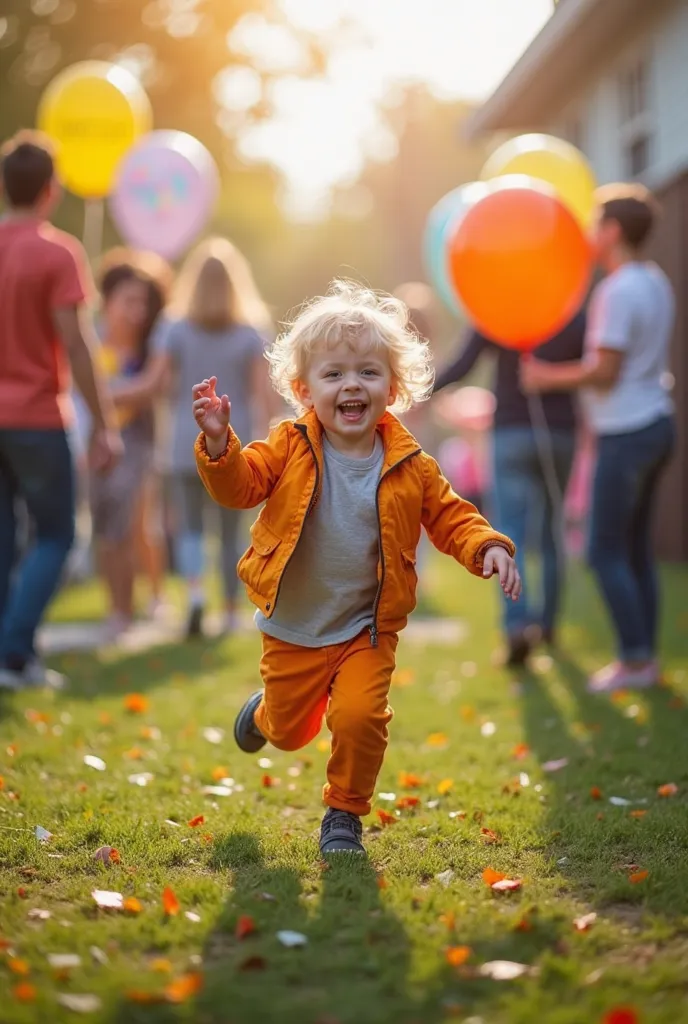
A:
(443, 221)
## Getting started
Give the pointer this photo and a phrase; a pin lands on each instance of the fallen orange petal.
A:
(245, 926)
(195, 822)
(437, 739)
(449, 920)
(637, 814)
(136, 703)
(131, 905)
(386, 819)
(445, 786)
(668, 789)
(490, 876)
(637, 877)
(458, 955)
(520, 751)
(404, 803)
(488, 836)
(18, 966)
(467, 713)
(621, 1015)
(183, 988)
(24, 992)
(381, 882)
(409, 780)
(137, 995)
(596, 793)
(219, 773)
(267, 781)
(104, 718)
(135, 754)
(170, 903)
(207, 837)
(22, 893)
(524, 925)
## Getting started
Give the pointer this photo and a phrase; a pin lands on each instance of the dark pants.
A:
(629, 467)
(35, 468)
(522, 507)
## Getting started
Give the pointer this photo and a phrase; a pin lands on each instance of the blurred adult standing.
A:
(131, 302)
(623, 379)
(219, 326)
(520, 486)
(44, 332)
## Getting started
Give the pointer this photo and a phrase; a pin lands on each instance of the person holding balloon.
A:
(44, 333)
(623, 379)
(519, 478)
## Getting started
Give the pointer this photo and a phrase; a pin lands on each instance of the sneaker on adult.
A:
(341, 832)
(248, 736)
(619, 676)
(114, 627)
(34, 675)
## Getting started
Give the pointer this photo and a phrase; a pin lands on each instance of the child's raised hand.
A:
(498, 560)
(210, 411)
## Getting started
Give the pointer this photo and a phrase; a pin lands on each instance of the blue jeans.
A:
(629, 467)
(522, 503)
(36, 468)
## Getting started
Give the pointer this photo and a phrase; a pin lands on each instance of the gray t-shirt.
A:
(632, 311)
(196, 353)
(329, 586)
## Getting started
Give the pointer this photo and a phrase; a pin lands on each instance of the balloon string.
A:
(555, 493)
(94, 215)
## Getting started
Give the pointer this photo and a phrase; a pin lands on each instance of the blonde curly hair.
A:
(353, 314)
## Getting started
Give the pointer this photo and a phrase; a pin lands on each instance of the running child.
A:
(331, 566)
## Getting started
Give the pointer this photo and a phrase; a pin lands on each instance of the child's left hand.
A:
(498, 560)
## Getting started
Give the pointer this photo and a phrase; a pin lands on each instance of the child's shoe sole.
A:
(246, 732)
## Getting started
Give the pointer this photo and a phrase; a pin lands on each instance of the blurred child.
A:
(219, 316)
(331, 566)
(132, 300)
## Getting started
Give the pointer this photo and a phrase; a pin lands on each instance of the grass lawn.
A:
(378, 932)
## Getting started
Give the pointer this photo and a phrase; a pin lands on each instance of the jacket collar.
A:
(398, 442)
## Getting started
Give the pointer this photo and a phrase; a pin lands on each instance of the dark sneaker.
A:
(248, 736)
(341, 832)
(194, 623)
(520, 645)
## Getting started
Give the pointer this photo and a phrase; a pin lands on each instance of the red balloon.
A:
(521, 264)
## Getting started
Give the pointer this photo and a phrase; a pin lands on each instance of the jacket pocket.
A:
(408, 564)
(257, 568)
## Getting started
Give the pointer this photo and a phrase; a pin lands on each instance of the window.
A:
(635, 117)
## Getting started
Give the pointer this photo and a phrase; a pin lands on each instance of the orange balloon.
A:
(520, 263)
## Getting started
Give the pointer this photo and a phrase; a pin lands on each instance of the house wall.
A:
(663, 37)
(596, 111)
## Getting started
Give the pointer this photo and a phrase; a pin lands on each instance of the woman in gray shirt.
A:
(217, 314)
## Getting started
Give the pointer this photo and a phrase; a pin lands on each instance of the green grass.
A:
(375, 954)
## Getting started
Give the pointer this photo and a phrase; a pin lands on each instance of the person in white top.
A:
(625, 380)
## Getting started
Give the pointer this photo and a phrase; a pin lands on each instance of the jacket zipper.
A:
(373, 627)
(311, 503)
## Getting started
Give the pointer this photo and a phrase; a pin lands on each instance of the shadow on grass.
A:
(623, 746)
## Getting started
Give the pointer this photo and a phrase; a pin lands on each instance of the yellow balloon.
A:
(94, 112)
(552, 160)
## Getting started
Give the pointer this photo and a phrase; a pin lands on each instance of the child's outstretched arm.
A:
(235, 477)
(456, 528)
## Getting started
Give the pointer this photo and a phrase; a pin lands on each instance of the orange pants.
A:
(349, 684)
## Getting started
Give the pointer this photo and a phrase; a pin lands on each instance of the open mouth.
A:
(352, 411)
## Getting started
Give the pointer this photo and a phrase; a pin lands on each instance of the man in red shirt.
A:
(43, 335)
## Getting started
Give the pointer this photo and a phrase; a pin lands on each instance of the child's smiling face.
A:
(349, 386)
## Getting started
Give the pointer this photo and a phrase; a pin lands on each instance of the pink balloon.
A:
(164, 192)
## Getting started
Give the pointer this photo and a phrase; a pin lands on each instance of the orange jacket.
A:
(285, 472)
